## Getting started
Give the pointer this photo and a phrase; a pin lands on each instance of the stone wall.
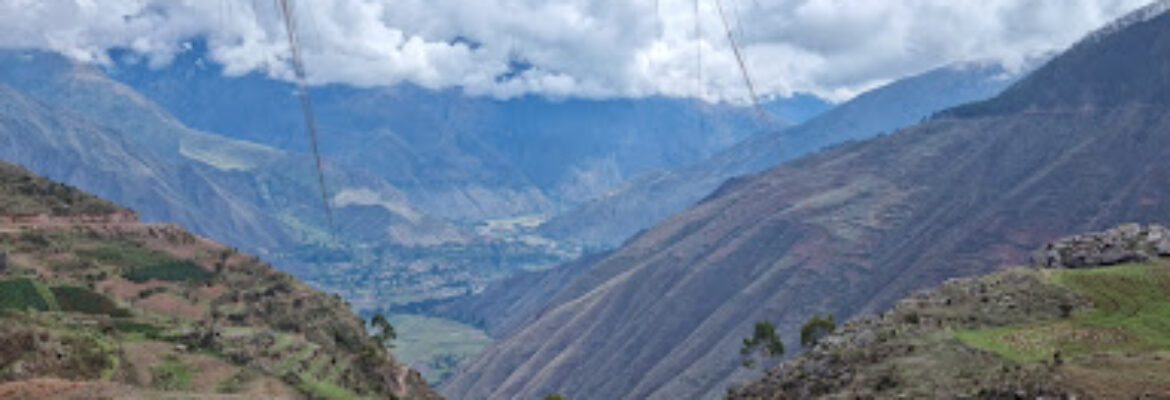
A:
(1123, 244)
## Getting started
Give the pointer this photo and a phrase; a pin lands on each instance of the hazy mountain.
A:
(457, 156)
(71, 122)
(1078, 145)
(613, 218)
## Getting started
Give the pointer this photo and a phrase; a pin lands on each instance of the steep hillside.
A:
(261, 186)
(66, 146)
(72, 123)
(1084, 327)
(643, 202)
(849, 230)
(94, 304)
(456, 156)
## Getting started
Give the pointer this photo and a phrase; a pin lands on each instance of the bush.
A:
(763, 338)
(816, 328)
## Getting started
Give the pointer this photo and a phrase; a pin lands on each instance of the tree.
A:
(555, 396)
(816, 328)
(765, 340)
(385, 333)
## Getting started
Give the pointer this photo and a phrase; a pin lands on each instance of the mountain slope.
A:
(611, 219)
(1088, 328)
(238, 192)
(460, 157)
(846, 231)
(97, 305)
(68, 147)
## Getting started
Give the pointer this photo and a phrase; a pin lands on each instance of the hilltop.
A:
(1087, 321)
(95, 304)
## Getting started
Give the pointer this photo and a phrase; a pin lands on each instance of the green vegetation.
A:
(816, 328)
(147, 331)
(1131, 313)
(141, 264)
(320, 389)
(22, 294)
(174, 271)
(76, 299)
(555, 396)
(124, 254)
(383, 332)
(765, 340)
(172, 375)
(436, 343)
(21, 192)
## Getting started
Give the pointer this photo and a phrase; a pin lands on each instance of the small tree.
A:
(555, 396)
(764, 340)
(816, 328)
(385, 333)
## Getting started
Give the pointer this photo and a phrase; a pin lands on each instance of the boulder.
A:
(1124, 244)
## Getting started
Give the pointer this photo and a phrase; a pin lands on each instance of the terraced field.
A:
(1130, 313)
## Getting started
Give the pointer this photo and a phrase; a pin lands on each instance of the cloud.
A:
(573, 48)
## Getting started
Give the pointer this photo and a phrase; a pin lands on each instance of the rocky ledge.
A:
(1124, 244)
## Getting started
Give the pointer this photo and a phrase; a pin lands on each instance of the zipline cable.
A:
(747, 79)
(286, 11)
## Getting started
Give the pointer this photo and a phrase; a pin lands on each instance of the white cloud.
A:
(586, 48)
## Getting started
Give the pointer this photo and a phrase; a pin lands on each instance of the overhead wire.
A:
(699, 85)
(286, 10)
(747, 79)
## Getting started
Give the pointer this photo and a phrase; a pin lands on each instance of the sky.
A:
(834, 49)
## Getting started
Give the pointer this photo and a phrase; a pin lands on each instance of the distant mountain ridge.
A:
(243, 188)
(1078, 145)
(611, 219)
(456, 156)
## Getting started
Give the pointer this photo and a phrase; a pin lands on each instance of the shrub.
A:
(816, 328)
(764, 338)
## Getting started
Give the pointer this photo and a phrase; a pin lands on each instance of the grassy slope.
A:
(1131, 314)
(1089, 333)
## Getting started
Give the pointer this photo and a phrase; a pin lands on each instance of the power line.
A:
(286, 11)
(747, 79)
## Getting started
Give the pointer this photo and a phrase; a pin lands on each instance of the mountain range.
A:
(456, 156)
(1077, 145)
(609, 220)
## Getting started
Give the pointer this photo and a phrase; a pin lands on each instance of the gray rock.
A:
(1124, 244)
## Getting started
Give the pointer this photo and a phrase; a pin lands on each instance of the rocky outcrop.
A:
(875, 356)
(1123, 244)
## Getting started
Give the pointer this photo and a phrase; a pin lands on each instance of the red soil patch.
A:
(168, 305)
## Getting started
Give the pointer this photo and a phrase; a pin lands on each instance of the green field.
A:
(1131, 312)
(23, 294)
(172, 375)
(436, 345)
(174, 271)
(75, 299)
